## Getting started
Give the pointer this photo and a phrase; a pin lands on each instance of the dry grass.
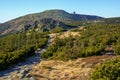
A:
(71, 70)
(58, 70)
(68, 33)
(63, 35)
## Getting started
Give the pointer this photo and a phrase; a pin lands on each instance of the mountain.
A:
(63, 15)
(115, 20)
(20, 23)
(112, 20)
(47, 24)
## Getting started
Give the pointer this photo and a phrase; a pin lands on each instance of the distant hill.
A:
(29, 20)
(63, 15)
(115, 20)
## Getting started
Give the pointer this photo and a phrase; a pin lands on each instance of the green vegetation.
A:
(17, 47)
(63, 15)
(48, 24)
(115, 20)
(57, 30)
(109, 70)
(47, 67)
(92, 41)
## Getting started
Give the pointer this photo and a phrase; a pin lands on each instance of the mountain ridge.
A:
(19, 23)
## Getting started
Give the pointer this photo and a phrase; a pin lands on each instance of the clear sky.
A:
(10, 9)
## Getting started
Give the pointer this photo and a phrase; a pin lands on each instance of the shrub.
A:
(109, 70)
(10, 53)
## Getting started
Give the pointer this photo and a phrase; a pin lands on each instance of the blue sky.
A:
(10, 9)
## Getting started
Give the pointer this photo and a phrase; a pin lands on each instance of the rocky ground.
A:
(20, 70)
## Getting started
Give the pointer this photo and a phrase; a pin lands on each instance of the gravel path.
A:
(20, 71)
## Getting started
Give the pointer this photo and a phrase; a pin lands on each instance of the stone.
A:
(32, 78)
(22, 72)
(65, 74)
(25, 79)
(27, 69)
(21, 75)
(14, 76)
(103, 59)
(28, 75)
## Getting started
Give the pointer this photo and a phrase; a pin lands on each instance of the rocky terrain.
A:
(45, 24)
(78, 69)
(20, 71)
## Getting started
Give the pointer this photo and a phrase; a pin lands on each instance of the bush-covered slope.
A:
(93, 41)
(17, 47)
(115, 20)
(109, 70)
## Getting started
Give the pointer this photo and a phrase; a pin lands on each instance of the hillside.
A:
(93, 40)
(17, 47)
(45, 24)
(20, 23)
(114, 20)
(72, 54)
